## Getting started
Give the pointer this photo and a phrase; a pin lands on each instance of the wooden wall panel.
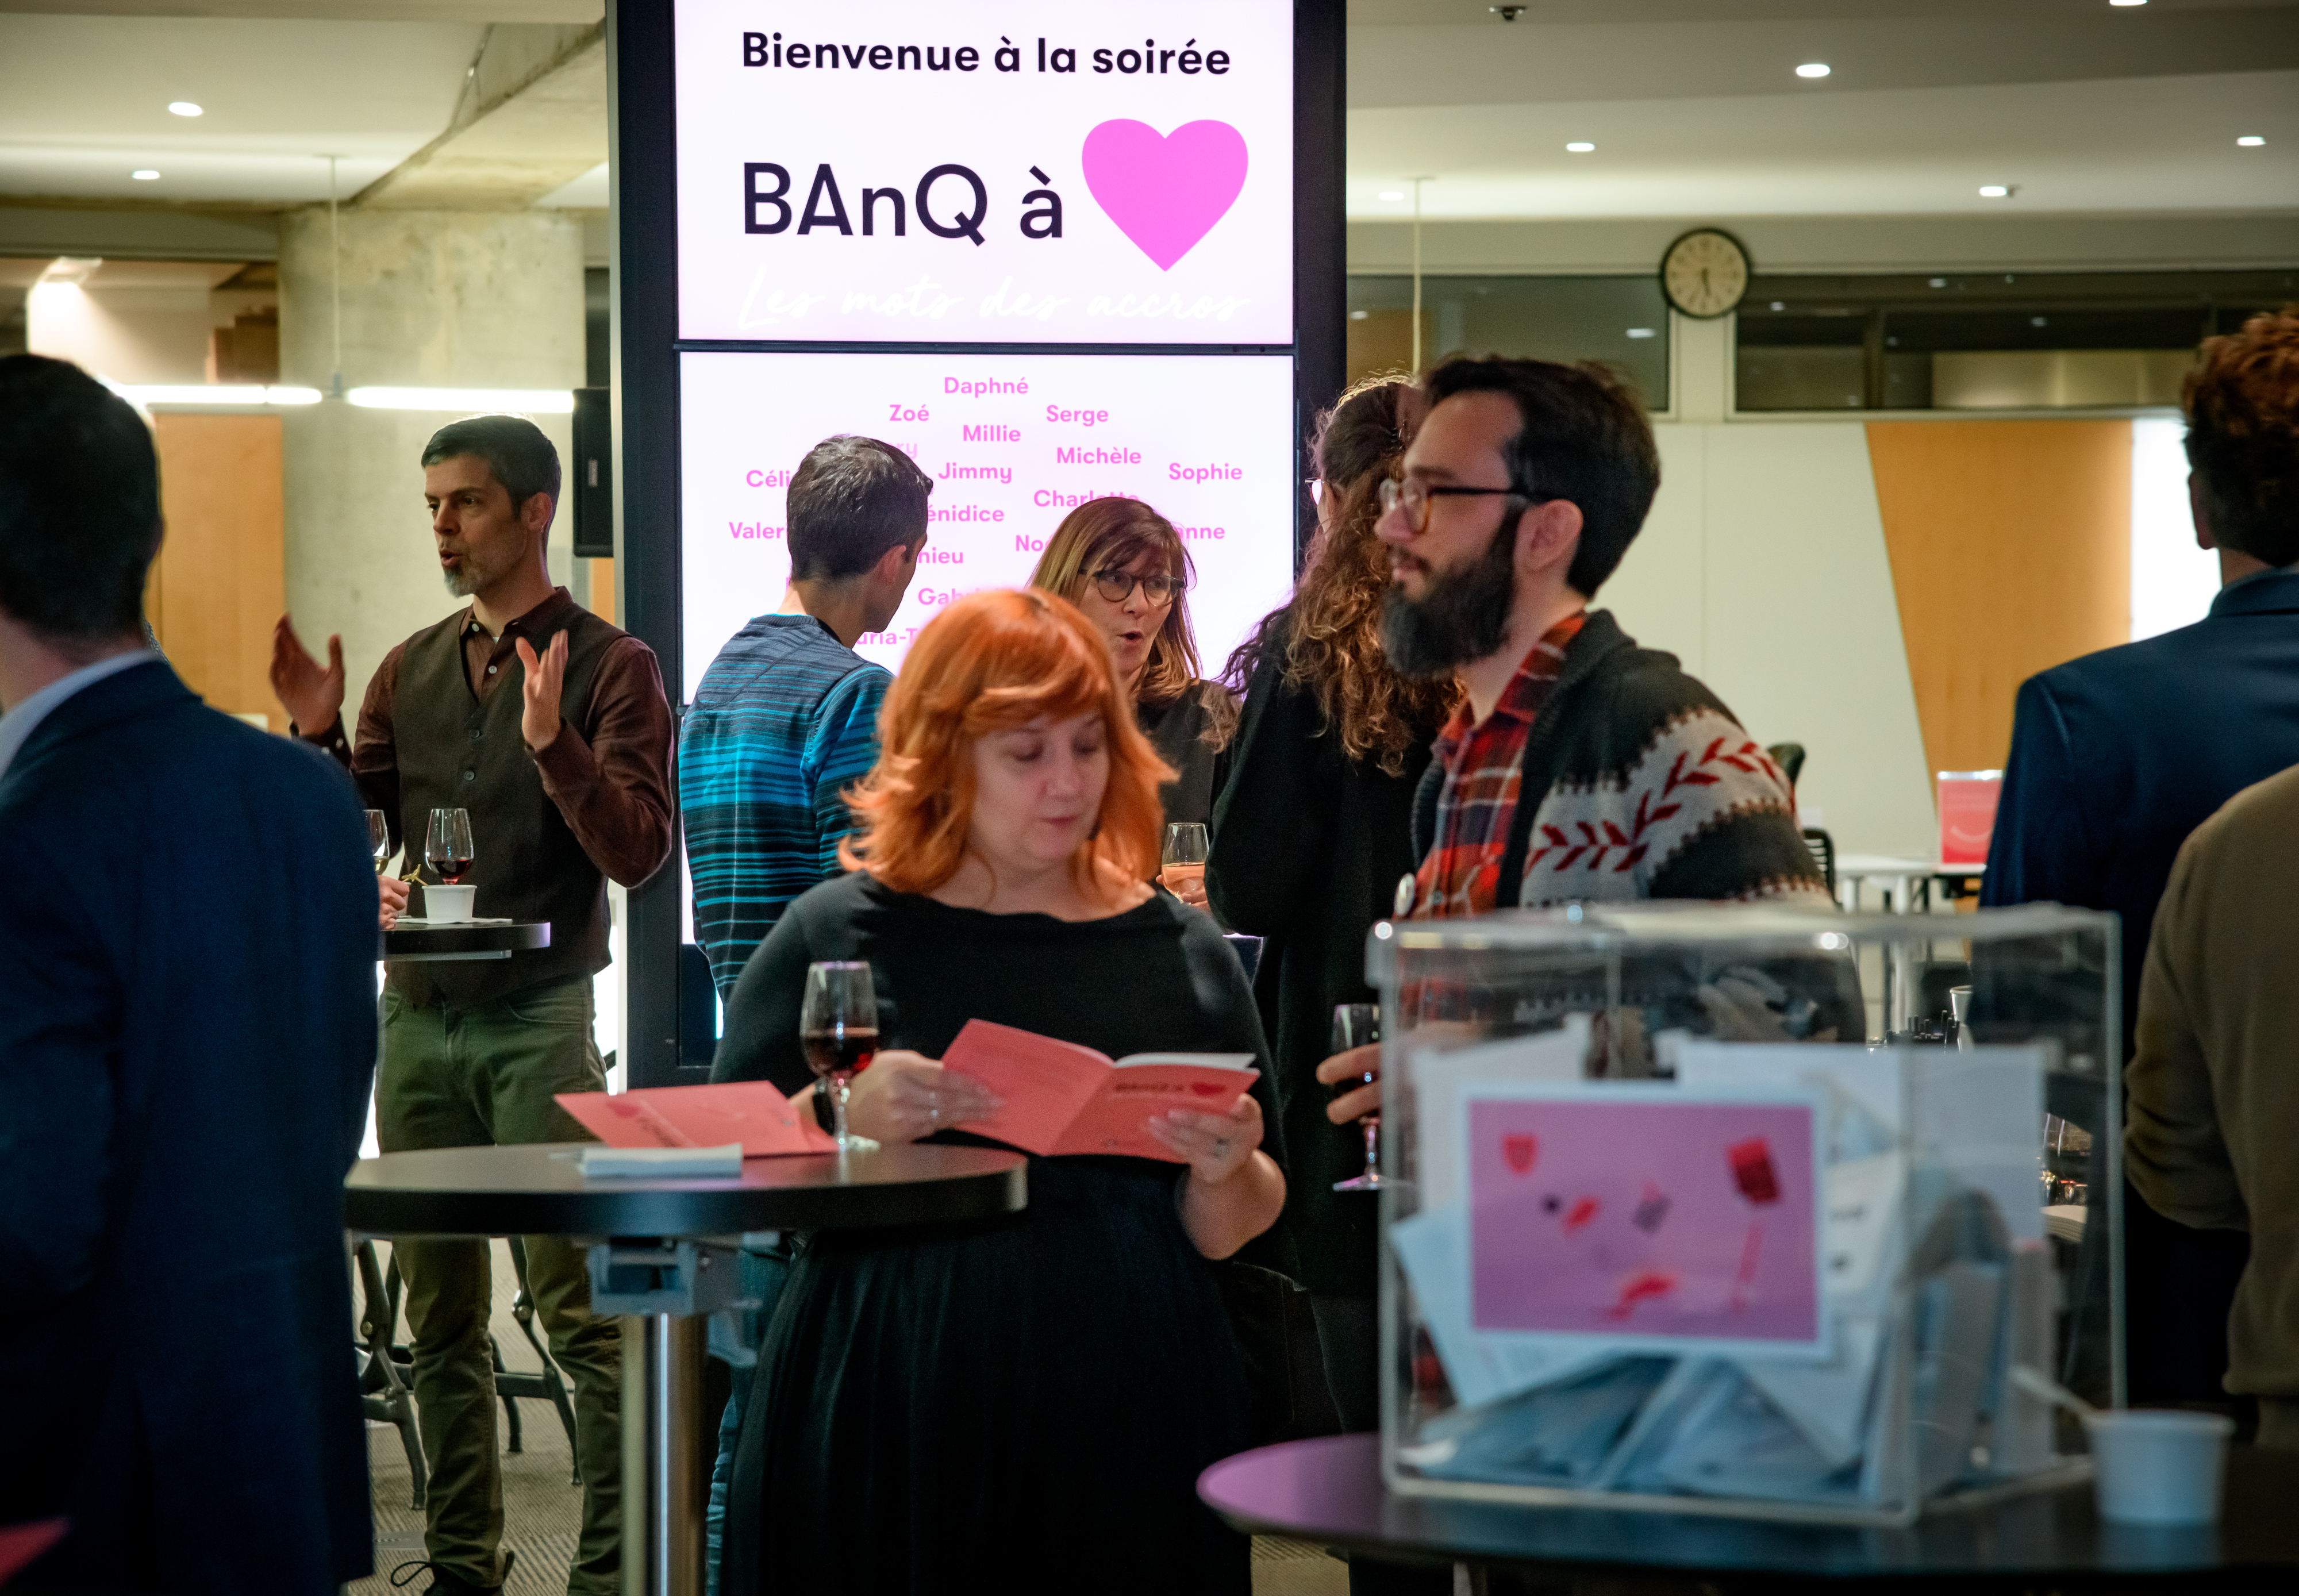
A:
(221, 580)
(2011, 552)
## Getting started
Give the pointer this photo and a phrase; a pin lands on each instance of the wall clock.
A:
(1705, 272)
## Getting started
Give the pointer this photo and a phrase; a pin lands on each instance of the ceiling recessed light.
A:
(2251, 141)
(1580, 146)
(2127, 2)
(145, 175)
(184, 108)
(1644, 332)
(1939, 282)
(1359, 315)
(1779, 304)
(1813, 68)
(1995, 191)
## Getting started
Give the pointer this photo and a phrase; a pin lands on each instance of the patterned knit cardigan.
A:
(1646, 787)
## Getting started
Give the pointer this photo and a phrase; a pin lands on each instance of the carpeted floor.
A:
(540, 1505)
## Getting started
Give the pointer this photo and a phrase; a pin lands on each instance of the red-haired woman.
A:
(1022, 1403)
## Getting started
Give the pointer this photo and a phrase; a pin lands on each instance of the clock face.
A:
(1704, 273)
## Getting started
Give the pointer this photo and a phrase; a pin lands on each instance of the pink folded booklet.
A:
(751, 1112)
(1061, 1098)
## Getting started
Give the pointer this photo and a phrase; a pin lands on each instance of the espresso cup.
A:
(2158, 1466)
(445, 905)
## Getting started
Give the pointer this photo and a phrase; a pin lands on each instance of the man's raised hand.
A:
(546, 674)
(311, 695)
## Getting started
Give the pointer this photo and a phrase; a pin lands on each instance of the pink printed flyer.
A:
(1646, 1216)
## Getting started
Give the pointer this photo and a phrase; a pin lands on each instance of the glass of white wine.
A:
(379, 837)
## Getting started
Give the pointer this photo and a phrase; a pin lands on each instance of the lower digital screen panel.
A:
(1013, 443)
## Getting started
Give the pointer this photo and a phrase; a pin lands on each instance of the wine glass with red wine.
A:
(447, 849)
(838, 1027)
(1358, 1025)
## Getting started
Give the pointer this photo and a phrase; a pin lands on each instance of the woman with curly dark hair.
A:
(1310, 836)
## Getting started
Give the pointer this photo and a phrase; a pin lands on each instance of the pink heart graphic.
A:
(1164, 193)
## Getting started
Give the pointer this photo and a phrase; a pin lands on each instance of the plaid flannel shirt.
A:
(1483, 767)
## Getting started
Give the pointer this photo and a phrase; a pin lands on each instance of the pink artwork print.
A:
(1165, 191)
(1655, 1216)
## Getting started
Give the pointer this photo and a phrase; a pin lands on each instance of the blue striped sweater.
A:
(784, 719)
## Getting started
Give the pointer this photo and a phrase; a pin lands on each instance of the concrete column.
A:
(457, 299)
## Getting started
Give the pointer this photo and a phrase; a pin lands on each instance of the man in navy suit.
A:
(188, 944)
(2116, 757)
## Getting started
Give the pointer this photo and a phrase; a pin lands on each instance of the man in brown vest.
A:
(549, 726)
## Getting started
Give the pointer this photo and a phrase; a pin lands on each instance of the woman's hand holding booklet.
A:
(1060, 1098)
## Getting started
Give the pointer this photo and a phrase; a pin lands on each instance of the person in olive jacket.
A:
(1309, 837)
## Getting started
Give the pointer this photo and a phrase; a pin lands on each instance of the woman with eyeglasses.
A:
(1123, 563)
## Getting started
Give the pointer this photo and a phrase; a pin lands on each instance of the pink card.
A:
(751, 1112)
(1967, 814)
(1641, 1214)
(20, 1543)
(1060, 1098)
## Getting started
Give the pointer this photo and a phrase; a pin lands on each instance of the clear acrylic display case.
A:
(1746, 1209)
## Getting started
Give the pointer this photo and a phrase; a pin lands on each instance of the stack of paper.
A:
(1798, 1273)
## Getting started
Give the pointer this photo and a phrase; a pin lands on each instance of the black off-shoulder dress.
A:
(1022, 1404)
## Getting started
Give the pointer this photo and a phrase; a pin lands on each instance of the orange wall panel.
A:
(2011, 552)
(220, 581)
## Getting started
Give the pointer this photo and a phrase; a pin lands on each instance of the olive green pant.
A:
(467, 1077)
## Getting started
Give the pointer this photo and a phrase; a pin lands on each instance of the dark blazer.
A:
(1308, 846)
(188, 1031)
(2115, 757)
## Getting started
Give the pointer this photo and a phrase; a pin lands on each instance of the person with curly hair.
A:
(2116, 757)
(1023, 1400)
(1309, 837)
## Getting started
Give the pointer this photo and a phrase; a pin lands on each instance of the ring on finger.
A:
(1221, 1148)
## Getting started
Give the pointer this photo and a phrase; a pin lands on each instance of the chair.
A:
(385, 1365)
(545, 1384)
(698, 1010)
(1789, 758)
(383, 1392)
(1823, 854)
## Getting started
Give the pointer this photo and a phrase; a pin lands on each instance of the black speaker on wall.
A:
(595, 474)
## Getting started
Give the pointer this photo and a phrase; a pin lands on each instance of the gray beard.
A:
(1463, 616)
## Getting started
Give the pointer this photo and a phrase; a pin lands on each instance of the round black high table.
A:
(652, 1223)
(1329, 1491)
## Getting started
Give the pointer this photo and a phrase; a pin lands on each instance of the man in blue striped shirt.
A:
(786, 718)
(784, 721)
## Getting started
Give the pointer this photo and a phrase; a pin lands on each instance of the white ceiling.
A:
(1696, 108)
(84, 102)
(1693, 104)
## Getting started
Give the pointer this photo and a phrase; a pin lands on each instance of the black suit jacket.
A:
(187, 1037)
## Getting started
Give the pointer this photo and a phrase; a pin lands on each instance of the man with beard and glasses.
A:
(1582, 768)
(550, 727)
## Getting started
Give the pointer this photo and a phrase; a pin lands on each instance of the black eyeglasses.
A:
(1117, 585)
(1413, 497)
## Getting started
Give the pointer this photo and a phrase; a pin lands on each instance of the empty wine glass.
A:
(838, 1027)
(1358, 1025)
(379, 837)
(448, 846)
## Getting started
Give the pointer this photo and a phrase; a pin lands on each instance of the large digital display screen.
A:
(1013, 443)
(1021, 171)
